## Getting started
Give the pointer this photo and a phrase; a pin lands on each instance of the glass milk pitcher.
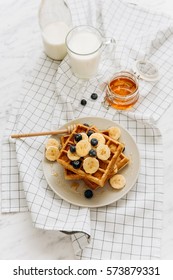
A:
(55, 22)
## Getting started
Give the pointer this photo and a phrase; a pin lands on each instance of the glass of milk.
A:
(84, 46)
(55, 22)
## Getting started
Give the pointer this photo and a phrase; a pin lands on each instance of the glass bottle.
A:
(55, 22)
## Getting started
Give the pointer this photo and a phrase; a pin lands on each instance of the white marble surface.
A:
(20, 44)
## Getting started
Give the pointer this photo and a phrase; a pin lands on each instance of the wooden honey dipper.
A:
(68, 130)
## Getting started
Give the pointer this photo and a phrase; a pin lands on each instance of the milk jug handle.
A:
(111, 43)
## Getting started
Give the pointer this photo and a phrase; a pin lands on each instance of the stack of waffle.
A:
(95, 168)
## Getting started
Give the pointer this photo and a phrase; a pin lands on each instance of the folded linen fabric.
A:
(129, 228)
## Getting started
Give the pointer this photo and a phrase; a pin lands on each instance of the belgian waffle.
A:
(121, 162)
(105, 167)
(94, 186)
(68, 174)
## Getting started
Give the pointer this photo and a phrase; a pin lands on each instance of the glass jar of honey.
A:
(122, 91)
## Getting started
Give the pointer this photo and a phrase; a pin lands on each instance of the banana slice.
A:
(118, 181)
(82, 148)
(99, 137)
(84, 137)
(90, 165)
(52, 142)
(114, 132)
(72, 156)
(103, 152)
(52, 153)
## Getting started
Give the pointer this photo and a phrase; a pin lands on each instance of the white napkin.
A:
(131, 227)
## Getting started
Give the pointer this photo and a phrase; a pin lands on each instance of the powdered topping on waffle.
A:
(106, 166)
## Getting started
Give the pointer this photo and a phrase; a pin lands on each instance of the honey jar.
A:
(122, 91)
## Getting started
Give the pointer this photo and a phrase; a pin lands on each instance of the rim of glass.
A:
(83, 26)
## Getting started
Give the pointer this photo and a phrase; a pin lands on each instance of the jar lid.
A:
(145, 70)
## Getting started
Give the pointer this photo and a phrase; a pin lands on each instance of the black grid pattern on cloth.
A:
(140, 34)
(22, 160)
(134, 233)
(129, 228)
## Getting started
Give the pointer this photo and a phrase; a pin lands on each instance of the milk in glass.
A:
(84, 52)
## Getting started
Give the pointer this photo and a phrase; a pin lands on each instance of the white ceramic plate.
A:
(73, 191)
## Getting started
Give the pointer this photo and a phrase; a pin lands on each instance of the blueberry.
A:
(76, 163)
(92, 153)
(90, 132)
(83, 102)
(86, 124)
(72, 148)
(88, 193)
(94, 142)
(94, 96)
(78, 137)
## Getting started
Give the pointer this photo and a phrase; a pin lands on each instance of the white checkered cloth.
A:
(131, 227)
